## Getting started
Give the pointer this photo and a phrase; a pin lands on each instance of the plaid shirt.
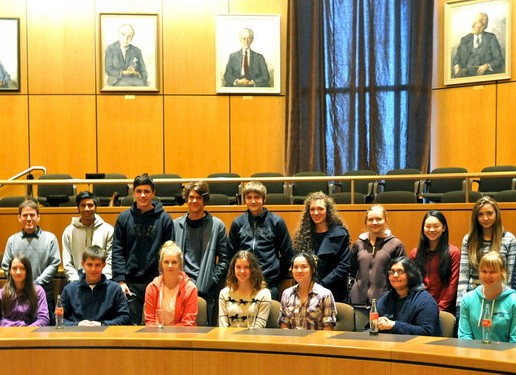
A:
(318, 310)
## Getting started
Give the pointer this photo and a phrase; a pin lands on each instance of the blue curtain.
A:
(361, 89)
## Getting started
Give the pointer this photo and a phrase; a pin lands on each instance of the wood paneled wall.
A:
(472, 125)
(61, 120)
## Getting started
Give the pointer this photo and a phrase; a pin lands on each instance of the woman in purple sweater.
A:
(22, 302)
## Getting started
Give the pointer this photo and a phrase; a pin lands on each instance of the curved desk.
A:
(205, 350)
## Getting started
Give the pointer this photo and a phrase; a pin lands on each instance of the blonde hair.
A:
(494, 260)
(170, 247)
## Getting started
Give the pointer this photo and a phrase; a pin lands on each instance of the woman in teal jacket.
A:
(497, 295)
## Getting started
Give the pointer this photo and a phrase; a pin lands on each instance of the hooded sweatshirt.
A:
(77, 236)
(503, 315)
(136, 243)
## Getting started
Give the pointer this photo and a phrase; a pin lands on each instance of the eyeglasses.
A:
(398, 272)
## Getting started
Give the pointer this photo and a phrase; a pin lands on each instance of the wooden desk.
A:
(128, 350)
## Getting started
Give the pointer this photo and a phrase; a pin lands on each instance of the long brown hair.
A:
(28, 294)
(475, 237)
(256, 279)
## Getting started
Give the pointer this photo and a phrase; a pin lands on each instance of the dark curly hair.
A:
(303, 238)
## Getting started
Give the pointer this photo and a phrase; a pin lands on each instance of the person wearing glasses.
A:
(407, 308)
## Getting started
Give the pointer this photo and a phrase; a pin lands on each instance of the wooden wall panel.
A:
(130, 134)
(62, 133)
(18, 9)
(196, 135)
(14, 142)
(257, 134)
(505, 150)
(61, 47)
(189, 45)
(464, 127)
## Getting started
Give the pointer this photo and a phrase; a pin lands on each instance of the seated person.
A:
(245, 301)
(307, 305)
(172, 291)
(407, 308)
(93, 300)
(23, 302)
(493, 292)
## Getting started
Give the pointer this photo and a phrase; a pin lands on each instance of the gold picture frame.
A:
(477, 41)
(129, 53)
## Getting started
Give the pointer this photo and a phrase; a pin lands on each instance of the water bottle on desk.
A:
(487, 324)
(59, 312)
(373, 318)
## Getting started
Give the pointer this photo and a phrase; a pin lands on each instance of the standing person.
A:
(93, 300)
(407, 308)
(22, 302)
(438, 261)
(486, 234)
(139, 233)
(246, 68)
(245, 301)
(479, 52)
(492, 292)
(307, 305)
(39, 246)
(370, 256)
(124, 61)
(263, 233)
(86, 230)
(204, 242)
(172, 292)
(322, 232)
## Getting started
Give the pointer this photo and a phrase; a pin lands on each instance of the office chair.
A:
(433, 189)
(105, 193)
(229, 189)
(169, 193)
(300, 189)
(55, 195)
(489, 186)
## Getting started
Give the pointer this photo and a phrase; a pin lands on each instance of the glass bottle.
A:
(59, 313)
(373, 318)
(487, 324)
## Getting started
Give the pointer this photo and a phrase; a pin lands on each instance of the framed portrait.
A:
(248, 57)
(477, 41)
(10, 54)
(129, 52)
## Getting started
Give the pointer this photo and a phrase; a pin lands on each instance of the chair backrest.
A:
(402, 185)
(104, 192)
(277, 198)
(460, 196)
(445, 185)
(505, 196)
(127, 201)
(272, 320)
(272, 187)
(489, 186)
(395, 197)
(447, 323)
(218, 200)
(362, 186)
(13, 201)
(202, 313)
(55, 194)
(230, 189)
(345, 317)
(345, 198)
(169, 192)
(300, 189)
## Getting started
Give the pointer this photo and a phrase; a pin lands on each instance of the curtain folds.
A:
(359, 85)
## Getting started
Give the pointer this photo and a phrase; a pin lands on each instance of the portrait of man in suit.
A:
(245, 67)
(479, 51)
(124, 61)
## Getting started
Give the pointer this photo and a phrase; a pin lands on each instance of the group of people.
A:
(150, 269)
